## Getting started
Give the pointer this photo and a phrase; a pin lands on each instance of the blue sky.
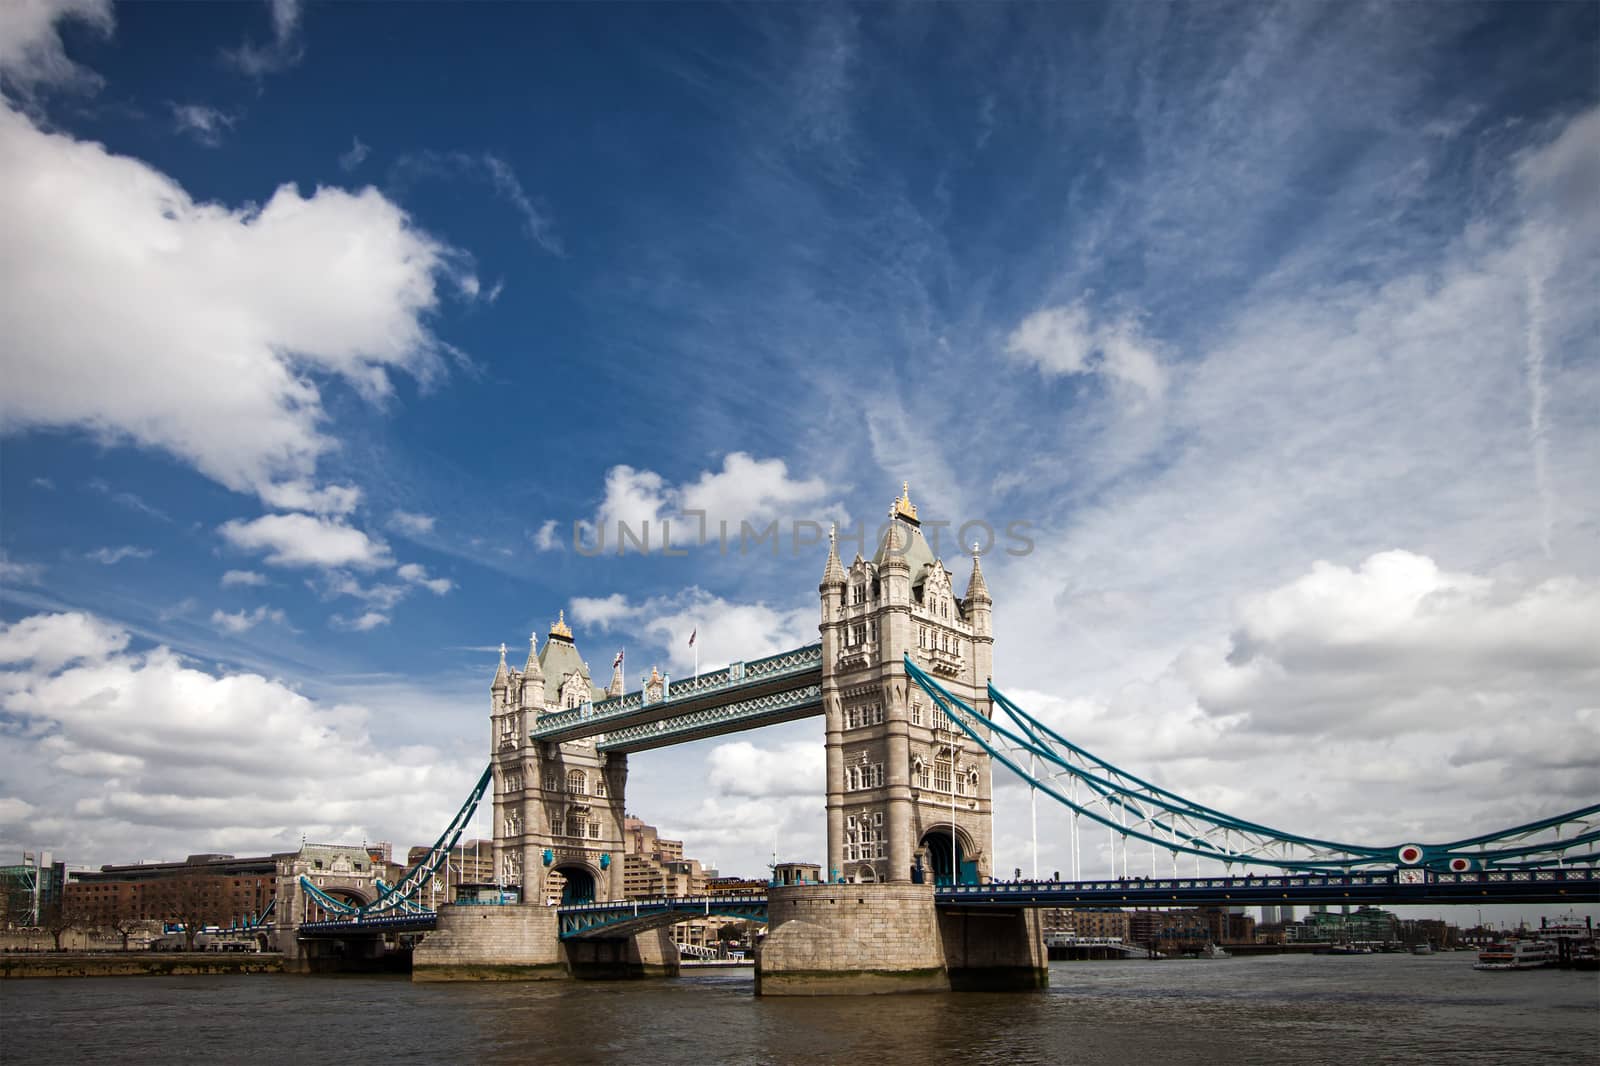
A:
(1275, 323)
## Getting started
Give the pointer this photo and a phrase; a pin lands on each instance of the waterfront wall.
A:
(138, 964)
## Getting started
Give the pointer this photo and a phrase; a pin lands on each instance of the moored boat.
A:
(1516, 955)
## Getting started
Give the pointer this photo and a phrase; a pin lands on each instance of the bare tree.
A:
(187, 900)
(59, 916)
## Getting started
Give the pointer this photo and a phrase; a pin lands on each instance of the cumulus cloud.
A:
(243, 578)
(1399, 645)
(241, 621)
(195, 328)
(30, 48)
(741, 768)
(139, 753)
(300, 540)
(746, 489)
(416, 574)
(547, 538)
(1069, 340)
(727, 631)
(304, 496)
(113, 556)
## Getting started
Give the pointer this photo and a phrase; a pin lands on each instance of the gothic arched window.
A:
(577, 783)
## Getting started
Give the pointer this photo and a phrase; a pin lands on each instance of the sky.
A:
(1255, 344)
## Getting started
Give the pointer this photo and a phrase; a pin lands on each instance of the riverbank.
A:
(137, 963)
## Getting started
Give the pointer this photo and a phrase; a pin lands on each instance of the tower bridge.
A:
(912, 730)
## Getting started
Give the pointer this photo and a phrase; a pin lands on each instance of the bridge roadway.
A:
(778, 688)
(1393, 887)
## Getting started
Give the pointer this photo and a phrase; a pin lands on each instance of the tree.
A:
(59, 916)
(123, 922)
(187, 901)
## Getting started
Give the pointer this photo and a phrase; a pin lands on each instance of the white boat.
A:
(1422, 949)
(1516, 955)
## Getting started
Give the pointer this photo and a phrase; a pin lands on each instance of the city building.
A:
(1101, 922)
(219, 890)
(1181, 930)
(1364, 925)
(30, 888)
(796, 873)
(654, 866)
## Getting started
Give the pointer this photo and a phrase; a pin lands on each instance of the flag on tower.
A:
(617, 661)
(692, 634)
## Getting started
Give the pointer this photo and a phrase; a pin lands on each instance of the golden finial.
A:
(561, 629)
(903, 507)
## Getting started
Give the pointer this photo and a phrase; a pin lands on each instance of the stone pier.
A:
(521, 942)
(865, 939)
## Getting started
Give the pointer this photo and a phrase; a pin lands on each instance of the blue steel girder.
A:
(737, 682)
(1139, 810)
(618, 918)
(1571, 885)
(717, 720)
(397, 923)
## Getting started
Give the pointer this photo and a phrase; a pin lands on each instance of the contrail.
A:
(1533, 359)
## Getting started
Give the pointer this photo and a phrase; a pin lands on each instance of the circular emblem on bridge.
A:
(1460, 865)
(1410, 854)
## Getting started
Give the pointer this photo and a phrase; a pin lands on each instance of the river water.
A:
(1272, 1009)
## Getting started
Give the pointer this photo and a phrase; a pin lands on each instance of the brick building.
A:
(207, 889)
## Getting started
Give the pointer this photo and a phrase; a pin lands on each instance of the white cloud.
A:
(30, 48)
(1067, 340)
(727, 631)
(741, 768)
(418, 575)
(244, 621)
(357, 155)
(303, 496)
(112, 556)
(418, 525)
(361, 624)
(205, 124)
(746, 489)
(139, 755)
(245, 578)
(212, 348)
(17, 573)
(337, 583)
(547, 538)
(299, 540)
(50, 641)
(283, 50)
(1399, 645)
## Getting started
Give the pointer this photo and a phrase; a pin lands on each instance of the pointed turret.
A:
(833, 570)
(977, 588)
(501, 682)
(532, 676)
(615, 689)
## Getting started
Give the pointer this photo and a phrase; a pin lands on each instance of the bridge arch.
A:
(578, 883)
(935, 845)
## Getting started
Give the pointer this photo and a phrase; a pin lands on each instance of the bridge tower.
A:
(558, 808)
(900, 777)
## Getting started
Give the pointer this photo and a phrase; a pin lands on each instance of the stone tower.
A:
(558, 808)
(896, 771)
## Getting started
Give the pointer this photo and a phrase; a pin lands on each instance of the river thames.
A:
(1273, 1009)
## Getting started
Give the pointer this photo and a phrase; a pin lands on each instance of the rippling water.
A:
(1272, 1009)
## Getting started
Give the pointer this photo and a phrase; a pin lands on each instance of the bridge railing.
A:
(649, 734)
(731, 677)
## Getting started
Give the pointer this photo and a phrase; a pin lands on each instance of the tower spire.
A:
(833, 572)
(977, 588)
(502, 677)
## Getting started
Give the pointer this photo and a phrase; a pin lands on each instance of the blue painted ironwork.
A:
(404, 896)
(1397, 887)
(632, 916)
(1137, 809)
(422, 922)
(723, 718)
(797, 665)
